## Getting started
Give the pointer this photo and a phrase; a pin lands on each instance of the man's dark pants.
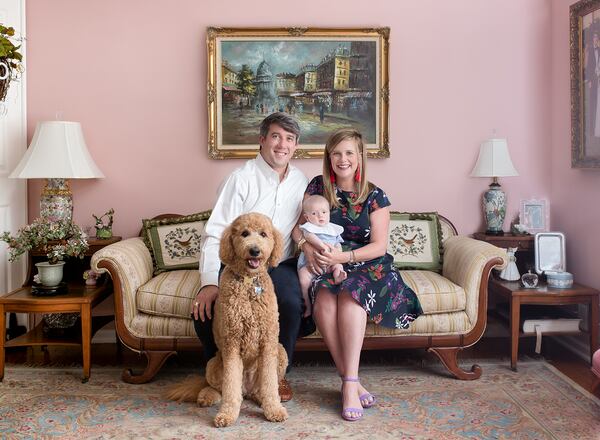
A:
(291, 306)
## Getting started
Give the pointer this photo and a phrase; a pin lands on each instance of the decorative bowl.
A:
(559, 280)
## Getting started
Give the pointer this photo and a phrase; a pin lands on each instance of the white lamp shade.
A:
(57, 150)
(494, 160)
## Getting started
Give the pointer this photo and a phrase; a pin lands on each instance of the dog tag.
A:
(258, 290)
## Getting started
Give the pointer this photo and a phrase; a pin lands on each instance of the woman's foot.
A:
(367, 400)
(351, 406)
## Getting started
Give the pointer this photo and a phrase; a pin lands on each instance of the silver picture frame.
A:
(550, 253)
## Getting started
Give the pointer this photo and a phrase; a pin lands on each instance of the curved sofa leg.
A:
(449, 357)
(156, 359)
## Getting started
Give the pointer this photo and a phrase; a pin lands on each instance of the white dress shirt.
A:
(255, 187)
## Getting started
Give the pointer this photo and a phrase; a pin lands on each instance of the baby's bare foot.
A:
(339, 276)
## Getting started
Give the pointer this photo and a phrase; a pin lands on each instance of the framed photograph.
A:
(325, 78)
(585, 87)
(534, 215)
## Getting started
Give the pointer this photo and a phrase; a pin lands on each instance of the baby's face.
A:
(318, 214)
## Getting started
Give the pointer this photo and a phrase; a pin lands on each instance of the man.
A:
(271, 186)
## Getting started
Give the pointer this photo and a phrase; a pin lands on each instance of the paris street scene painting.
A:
(324, 84)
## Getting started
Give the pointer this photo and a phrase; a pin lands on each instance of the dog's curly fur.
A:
(250, 361)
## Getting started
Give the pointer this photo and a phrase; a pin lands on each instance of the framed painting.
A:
(534, 216)
(585, 85)
(325, 78)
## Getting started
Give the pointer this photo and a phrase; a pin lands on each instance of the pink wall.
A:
(134, 74)
(574, 207)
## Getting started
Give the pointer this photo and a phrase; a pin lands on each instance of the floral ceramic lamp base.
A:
(56, 202)
(494, 208)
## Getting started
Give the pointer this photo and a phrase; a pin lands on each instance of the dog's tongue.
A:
(253, 263)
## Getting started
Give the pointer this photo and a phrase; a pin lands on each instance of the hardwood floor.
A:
(495, 349)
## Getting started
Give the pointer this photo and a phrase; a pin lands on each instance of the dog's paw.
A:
(276, 413)
(224, 419)
(208, 397)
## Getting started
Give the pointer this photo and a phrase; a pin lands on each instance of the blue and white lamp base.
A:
(494, 208)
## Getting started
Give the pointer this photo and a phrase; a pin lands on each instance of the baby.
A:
(324, 236)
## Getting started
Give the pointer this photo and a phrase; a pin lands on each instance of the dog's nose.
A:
(254, 251)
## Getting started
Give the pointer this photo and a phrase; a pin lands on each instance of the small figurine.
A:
(516, 228)
(104, 231)
(91, 277)
(510, 272)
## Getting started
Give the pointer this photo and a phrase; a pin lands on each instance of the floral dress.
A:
(375, 284)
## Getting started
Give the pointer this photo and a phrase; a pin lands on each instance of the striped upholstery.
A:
(436, 293)
(134, 263)
(464, 261)
(447, 229)
(425, 325)
(161, 326)
(160, 306)
(169, 293)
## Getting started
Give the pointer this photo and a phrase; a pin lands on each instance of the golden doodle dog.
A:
(250, 361)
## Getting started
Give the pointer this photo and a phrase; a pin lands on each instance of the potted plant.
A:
(58, 239)
(11, 60)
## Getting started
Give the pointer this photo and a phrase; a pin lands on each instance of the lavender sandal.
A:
(347, 412)
(366, 396)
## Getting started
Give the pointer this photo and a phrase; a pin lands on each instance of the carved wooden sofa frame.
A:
(158, 349)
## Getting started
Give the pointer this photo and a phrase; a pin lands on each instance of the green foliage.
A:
(245, 81)
(9, 52)
(58, 239)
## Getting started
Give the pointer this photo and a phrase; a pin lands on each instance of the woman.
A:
(373, 286)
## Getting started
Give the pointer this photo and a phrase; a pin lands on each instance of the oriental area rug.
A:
(415, 402)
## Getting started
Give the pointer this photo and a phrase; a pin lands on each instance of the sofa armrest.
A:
(468, 263)
(130, 265)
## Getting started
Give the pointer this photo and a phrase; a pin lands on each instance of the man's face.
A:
(278, 147)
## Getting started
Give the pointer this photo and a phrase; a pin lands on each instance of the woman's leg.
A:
(352, 320)
(325, 316)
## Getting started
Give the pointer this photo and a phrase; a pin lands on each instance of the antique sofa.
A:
(152, 311)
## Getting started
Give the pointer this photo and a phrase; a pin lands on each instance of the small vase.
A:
(50, 274)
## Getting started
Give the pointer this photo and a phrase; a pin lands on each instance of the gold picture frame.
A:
(325, 77)
(585, 84)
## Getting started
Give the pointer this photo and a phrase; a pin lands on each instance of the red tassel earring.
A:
(357, 174)
(331, 174)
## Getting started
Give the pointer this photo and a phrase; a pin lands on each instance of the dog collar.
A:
(253, 282)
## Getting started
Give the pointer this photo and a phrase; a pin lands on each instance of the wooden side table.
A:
(73, 272)
(79, 298)
(518, 295)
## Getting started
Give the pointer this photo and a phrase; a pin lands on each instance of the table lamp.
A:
(57, 152)
(494, 161)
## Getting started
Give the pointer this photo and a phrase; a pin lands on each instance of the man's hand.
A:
(311, 262)
(202, 305)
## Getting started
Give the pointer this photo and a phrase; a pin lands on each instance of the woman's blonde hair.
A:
(361, 188)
